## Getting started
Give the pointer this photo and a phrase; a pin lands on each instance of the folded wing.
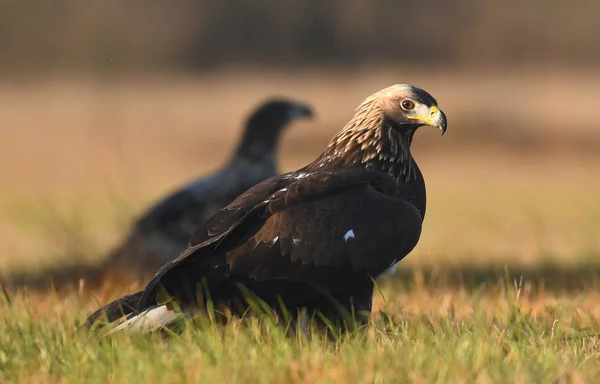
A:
(320, 228)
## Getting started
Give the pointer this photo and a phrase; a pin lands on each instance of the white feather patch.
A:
(349, 235)
(150, 320)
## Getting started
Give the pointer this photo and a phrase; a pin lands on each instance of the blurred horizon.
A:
(125, 101)
(41, 37)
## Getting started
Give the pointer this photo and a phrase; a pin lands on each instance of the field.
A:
(503, 286)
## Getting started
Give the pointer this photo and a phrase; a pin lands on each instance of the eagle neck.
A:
(372, 141)
(393, 154)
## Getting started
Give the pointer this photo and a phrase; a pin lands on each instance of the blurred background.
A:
(106, 106)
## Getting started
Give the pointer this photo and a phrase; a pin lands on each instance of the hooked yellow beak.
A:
(435, 118)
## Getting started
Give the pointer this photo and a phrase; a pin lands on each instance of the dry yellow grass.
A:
(81, 157)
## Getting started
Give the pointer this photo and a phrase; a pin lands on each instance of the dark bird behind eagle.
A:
(314, 239)
(162, 232)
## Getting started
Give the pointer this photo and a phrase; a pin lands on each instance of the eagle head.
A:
(406, 108)
(380, 133)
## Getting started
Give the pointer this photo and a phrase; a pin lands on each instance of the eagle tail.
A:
(149, 320)
(130, 318)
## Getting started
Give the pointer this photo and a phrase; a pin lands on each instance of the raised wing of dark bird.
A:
(312, 239)
(162, 232)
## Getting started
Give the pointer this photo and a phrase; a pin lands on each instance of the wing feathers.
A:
(118, 308)
(277, 226)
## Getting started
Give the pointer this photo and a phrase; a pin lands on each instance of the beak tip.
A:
(443, 124)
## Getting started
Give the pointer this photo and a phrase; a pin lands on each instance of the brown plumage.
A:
(311, 239)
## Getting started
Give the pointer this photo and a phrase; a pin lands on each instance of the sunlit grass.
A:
(496, 334)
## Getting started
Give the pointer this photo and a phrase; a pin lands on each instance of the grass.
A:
(506, 335)
(504, 285)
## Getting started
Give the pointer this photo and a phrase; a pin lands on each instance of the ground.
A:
(503, 285)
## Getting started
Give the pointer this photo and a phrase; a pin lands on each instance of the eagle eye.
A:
(408, 104)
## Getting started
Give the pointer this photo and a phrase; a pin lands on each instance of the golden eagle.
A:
(313, 239)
